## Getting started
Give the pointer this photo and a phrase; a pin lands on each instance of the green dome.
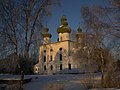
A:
(63, 30)
(46, 33)
(79, 30)
(64, 26)
(65, 23)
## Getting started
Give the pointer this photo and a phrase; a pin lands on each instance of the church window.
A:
(60, 66)
(69, 66)
(51, 58)
(60, 49)
(61, 38)
(45, 68)
(51, 67)
(44, 58)
(60, 53)
(51, 50)
(44, 51)
(60, 56)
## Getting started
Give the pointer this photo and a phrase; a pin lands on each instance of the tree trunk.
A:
(102, 70)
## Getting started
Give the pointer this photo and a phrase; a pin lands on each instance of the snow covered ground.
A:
(69, 81)
(44, 82)
(40, 82)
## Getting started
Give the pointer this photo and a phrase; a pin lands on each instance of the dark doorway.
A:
(69, 66)
(60, 66)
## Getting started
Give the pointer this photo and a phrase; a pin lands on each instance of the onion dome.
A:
(46, 33)
(63, 28)
(79, 32)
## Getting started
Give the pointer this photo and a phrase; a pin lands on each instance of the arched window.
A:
(51, 58)
(44, 58)
(51, 54)
(60, 55)
(51, 67)
(45, 68)
(36, 69)
(51, 50)
(44, 51)
(44, 55)
(60, 49)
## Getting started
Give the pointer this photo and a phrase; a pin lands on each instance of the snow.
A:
(39, 82)
(70, 81)
(67, 81)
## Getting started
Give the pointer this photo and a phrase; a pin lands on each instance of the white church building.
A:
(56, 57)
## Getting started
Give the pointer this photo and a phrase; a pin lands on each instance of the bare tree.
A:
(102, 28)
(21, 26)
(22, 21)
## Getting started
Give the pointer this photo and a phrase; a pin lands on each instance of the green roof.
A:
(63, 30)
(46, 33)
(64, 26)
(79, 30)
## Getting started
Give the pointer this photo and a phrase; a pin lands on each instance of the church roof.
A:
(79, 32)
(46, 33)
(64, 26)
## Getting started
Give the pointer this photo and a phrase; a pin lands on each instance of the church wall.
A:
(64, 36)
(55, 56)
(67, 47)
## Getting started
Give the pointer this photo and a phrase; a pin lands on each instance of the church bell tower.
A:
(63, 30)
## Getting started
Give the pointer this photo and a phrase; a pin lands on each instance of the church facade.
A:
(57, 57)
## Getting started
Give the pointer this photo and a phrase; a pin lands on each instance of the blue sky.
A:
(71, 9)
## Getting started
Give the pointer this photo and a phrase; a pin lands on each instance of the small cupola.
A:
(46, 36)
(79, 35)
(46, 33)
(79, 30)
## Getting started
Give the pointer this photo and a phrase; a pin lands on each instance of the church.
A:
(57, 57)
